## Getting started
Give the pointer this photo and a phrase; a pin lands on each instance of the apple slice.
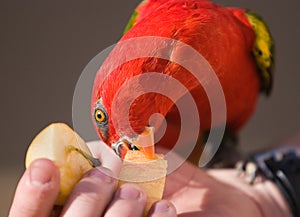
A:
(59, 143)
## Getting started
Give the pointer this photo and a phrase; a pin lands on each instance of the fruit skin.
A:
(224, 36)
(59, 143)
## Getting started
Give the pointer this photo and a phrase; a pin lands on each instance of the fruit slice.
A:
(148, 173)
(68, 151)
(59, 143)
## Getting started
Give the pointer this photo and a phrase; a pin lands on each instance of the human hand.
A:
(199, 193)
(94, 195)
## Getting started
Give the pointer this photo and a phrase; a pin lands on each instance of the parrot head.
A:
(128, 139)
(120, 121)
(107, 132)
(263, 51)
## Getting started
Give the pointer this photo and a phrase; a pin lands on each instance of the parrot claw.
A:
(247, 170)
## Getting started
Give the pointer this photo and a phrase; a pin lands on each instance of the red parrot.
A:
(235, 42)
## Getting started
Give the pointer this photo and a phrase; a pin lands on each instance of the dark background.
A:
(45, 45)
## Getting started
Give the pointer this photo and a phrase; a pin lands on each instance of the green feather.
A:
(131, 21)
(263, 51)
(133, 17)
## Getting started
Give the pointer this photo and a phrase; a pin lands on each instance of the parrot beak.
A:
(122, 146)
(144, 143)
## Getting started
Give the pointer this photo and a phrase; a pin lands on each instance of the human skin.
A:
(190, 190)
(220, 192)
(94, 195)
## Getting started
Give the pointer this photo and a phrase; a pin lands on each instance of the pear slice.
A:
(59, 143)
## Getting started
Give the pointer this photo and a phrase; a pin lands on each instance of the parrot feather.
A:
(235, 42)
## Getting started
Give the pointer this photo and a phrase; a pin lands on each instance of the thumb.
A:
(37, 190)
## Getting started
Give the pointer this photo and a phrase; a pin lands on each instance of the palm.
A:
(195, 192)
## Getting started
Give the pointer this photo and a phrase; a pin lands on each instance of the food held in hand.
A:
(147, 172)
(59, 143)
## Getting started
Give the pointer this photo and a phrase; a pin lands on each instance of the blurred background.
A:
(45, 45)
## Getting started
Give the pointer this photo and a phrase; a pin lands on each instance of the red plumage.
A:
(222, 35)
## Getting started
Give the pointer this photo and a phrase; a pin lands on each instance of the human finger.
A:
(37, 190)
(106, 155)
(130, 200)
(91, 195)
(162, 208)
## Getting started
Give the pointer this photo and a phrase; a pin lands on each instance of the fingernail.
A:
(129, 192)
(164, 207)
(161, 207)
(40, 173)
(100, 174)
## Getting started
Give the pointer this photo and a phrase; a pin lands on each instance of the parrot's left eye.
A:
(100, 116)
(101, 119)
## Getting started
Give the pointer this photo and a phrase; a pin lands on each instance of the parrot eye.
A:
(100, 116)
(101, 119)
